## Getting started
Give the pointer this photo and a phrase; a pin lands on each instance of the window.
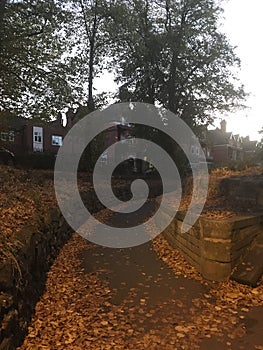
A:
(11, 136)
(37, 136)
(56, 140)
(4, 136)
(37, 139)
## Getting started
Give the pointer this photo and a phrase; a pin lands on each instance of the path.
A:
(103, 298)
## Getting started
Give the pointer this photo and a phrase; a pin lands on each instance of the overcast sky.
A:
(244, 27)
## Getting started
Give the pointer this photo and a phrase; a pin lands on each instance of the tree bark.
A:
(2, 12)
(91, 41)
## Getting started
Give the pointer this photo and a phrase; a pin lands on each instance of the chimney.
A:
(223, 125)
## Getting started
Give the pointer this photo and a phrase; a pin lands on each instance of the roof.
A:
(218, 137)
(250, 145)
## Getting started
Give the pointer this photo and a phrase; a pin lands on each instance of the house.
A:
(222, 147)
(249, 148)
(24, 136)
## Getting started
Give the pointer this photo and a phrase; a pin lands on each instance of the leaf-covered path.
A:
(103, 298)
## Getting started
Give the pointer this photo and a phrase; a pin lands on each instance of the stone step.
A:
(250, 270)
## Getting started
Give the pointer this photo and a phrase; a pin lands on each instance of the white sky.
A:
(244, 26)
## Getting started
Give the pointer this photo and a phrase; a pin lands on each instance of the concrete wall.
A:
(214, 247)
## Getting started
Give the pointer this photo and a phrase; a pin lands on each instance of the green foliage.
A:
(50, 52)
(33, 75)
(167, 143)
(91, 154)
(172, 53)
(259, 152)
(89, 39)
(169, 53)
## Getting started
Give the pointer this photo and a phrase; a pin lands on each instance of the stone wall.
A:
(214, 247)
(23, 274)
(246, 189)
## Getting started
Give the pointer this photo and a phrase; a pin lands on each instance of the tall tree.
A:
(174, 52)
(51, 51)
(136, 50)
(33, 75)
(91, 41)
(163, 51)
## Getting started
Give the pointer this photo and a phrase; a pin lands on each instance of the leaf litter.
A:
(76, 311)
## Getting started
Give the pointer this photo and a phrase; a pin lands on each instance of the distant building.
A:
(222, 147)
(21, 135)
(24, 136)
(249, 148)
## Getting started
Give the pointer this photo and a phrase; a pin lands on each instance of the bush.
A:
(45, 160)
(240, 165)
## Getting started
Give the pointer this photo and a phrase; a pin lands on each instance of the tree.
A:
(135, 50)
(86, 31)
(33, 75)
(169, 53)
(50, 53)
(173, 54)
(2, 11)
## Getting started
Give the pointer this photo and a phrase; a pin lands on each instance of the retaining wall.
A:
(214, 247)
(23, 274)
(246, 189)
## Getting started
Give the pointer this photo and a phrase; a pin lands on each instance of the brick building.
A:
(22, 136)
(222, 147)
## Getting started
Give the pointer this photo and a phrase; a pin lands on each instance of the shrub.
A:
(45, 160)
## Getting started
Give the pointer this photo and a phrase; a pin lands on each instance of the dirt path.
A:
(103, 298)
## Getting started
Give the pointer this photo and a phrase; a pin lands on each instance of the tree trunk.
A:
(2, 11)
(91, 41)
(91, 74)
